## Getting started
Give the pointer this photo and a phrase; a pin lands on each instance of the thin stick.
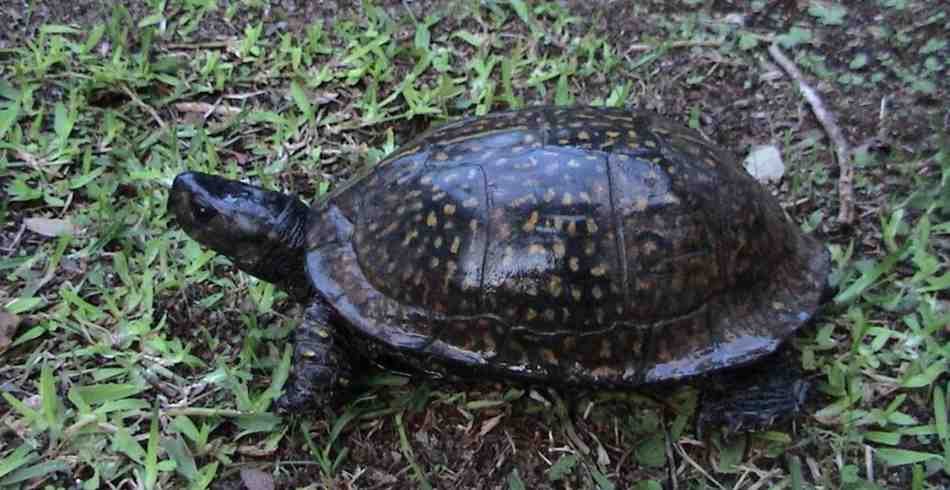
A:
(207, 109)
(670, 459)
(696, 466)
(827, 120)
(675, 44)
(143, 105)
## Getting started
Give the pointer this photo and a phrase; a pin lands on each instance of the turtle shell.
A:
(572, 244)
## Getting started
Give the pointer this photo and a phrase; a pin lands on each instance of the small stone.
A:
(765, 164)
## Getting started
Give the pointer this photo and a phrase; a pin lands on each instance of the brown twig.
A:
(143, 105)
(697, 466)
(675, 44)
(206, 109)
(827, 120)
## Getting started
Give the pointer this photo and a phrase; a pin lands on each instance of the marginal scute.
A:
(579, 244)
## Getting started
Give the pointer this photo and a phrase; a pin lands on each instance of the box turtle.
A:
(580, 246)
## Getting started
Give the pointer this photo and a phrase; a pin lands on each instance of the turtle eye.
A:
(203, 213)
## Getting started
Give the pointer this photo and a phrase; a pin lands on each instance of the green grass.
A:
(140, 359)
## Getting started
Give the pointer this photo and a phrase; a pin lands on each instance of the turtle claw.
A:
(293, 402)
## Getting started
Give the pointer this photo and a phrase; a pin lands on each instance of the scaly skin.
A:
(319, 367)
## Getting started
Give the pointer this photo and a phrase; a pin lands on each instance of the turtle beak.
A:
(210, 205)
(260, 230)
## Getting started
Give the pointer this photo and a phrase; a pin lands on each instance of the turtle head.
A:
(261, 231)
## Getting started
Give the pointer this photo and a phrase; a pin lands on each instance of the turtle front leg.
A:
(320, 365)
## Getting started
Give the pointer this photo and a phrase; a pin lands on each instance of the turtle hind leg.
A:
(753, 397)
(320, 365)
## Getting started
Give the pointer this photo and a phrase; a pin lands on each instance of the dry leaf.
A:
(8, 325)
(50, 227)
(490, 424)
(255, 479)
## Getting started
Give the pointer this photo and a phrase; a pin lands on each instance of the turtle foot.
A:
(319, 368)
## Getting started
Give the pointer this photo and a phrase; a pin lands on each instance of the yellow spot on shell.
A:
(583, 135)
(456, 243)
(531, 223)
(591, 226)
(449, 209)
(613, 134)
(576, 293)
(554, 286)
(574, 264)
(589, 247)
(437, 243)
(508, 257)
(605, 349)
(432, 220)
(600, 270)
(641, 204)
(391, 228)
(602, 372)
(410, 237)
(531, 314)
(473, 225)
